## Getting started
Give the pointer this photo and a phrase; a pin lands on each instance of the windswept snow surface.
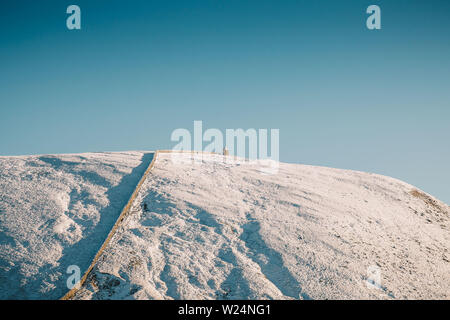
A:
(56, 211)
(214, 230)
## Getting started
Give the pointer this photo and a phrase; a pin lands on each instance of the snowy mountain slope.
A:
(55, 211)
(225, 231)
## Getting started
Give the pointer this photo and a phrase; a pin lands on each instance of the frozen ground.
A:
(56, 211)
(226, 231)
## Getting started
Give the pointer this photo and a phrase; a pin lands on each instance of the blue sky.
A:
(341, 95)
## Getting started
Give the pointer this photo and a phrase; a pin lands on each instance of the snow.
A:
(217, 230)
(55, 211)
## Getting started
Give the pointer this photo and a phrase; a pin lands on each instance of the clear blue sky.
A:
(341, 95)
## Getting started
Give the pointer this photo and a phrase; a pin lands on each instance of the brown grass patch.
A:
(427, 199)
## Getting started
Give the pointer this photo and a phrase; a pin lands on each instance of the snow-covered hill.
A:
(213, 230)
(55, 211)
(225, 231)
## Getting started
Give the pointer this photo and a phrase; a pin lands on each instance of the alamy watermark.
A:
(236, 145)
(73, 281)
(373, 22)
(73, 22)
(373, 280)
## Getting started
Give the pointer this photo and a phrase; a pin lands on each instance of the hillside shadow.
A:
(235, 286)
(83, 252)
(270, 262)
